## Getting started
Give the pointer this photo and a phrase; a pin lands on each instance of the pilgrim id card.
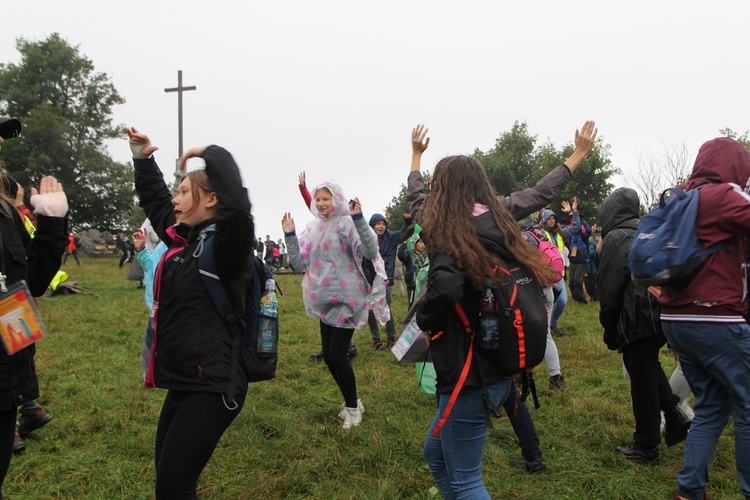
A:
(20, 323)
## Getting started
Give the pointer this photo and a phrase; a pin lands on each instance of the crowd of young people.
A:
(465, 228)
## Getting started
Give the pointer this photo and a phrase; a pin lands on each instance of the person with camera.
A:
(36, 261)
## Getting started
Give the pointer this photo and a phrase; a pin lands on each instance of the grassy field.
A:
(288, 441)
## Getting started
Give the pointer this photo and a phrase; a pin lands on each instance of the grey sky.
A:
(335, 87)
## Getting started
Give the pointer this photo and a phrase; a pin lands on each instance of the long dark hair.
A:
(449, 226)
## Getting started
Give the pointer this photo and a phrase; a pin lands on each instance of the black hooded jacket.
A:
(447, 284)
(629, 312)
(194, 350)
(36, 261)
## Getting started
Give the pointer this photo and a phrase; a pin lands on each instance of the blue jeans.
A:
(715, 358)
(455, 456)
(560, 303)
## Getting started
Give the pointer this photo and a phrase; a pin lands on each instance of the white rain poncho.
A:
(334, 288)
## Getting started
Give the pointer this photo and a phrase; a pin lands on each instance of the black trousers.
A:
(523, 426)
(592, 286)
(577, 270)
(7, 434)
(190, 426)
(649, 388)
(335, 343)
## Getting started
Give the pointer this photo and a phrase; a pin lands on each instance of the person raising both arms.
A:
(335, 290)
(192, 351)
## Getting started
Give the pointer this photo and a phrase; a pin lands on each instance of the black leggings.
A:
(335, 343)
(7, 434)
(190, 426)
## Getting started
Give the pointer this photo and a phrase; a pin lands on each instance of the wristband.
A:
(137, 149)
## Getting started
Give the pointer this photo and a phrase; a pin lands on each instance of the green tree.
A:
(743, 139)
(510, 163)
(516, 163)
(66, 110)
(398, 207)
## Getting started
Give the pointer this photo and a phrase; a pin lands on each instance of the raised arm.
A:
(153, 193)
(415, 194)
(584, 141)
(523, 203)
(302, 178)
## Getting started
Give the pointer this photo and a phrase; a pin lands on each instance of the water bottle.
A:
(268, 303)
(268, 334)
(489, 319)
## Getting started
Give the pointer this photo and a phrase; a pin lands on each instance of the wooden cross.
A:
(179, 89)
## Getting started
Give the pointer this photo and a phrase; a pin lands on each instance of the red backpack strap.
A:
(464, 373)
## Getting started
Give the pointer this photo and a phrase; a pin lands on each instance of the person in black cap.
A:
(43, 253)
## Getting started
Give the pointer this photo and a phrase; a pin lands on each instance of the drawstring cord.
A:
(224, 399)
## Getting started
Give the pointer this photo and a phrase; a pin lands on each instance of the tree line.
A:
(66, 109)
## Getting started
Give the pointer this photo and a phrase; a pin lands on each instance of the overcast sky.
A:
(335, 87)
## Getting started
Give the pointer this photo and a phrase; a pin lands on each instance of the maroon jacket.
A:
(717, 293)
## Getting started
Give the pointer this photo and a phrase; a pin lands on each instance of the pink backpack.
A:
(551, 255)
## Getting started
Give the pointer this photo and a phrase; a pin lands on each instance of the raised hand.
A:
(575, 204)
(585, 139)
(139, 238)
(136, 140)
(287, 223)
(419, 139)
(355, 207)
(566, 206)
(50, 198)
(195, 152)
(302, 179)
(19, 195)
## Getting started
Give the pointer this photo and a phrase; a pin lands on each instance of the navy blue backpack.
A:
(257, 368)
(665, 250)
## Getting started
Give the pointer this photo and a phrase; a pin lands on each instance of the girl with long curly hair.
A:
(468, 232)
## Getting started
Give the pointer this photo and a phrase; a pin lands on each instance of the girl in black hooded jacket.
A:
(467, 231)
(193, 354)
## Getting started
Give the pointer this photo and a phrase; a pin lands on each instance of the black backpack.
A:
(256, 368)
(523, 332)
(523, 320)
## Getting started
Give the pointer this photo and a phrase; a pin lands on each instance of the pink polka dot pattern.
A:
(314, 296)
(344, 284)
(334, 300)
(350, 267)
(325, 281)
(317, 263)
(342, 247)
(324, 245)
(342, 319)
(353, 304)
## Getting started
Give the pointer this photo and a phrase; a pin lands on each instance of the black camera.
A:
(10, 127)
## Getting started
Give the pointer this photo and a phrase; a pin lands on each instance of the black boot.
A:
(637, 453)
(676, 426)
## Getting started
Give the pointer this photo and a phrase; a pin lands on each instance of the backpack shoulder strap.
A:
(208, 271)
(462, 378)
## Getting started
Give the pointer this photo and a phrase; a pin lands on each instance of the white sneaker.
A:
(353, 417)
(342, 413)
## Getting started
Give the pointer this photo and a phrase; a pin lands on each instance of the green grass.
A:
(288, 441)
